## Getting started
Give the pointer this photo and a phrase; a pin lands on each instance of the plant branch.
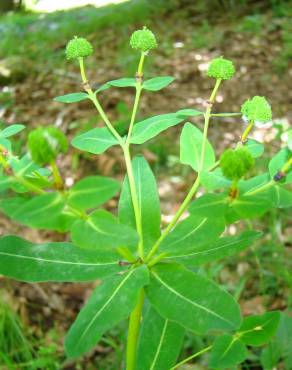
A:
(196, 184)
(133, 332)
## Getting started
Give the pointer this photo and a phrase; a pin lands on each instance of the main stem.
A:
(133, 331)
(196, 184)
(135, 317)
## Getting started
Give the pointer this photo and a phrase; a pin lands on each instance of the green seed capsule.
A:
(45, 143)
(257, 109)
(78, 47)
(143, 40)
(221, 68)
(236, 163)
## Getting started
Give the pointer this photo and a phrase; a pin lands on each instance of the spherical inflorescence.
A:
(221, 68)
(45, 143)
(236, 163)
(143, 40)
(257, 109)
(78, 47)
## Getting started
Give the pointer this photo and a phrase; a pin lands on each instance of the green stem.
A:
(34, 188)
(196, 184)
(57, 176)
(95, 101)
(133, 332)
(135, 201)
(139, 81)
(175, 219)
(247, 131)
(191, 357)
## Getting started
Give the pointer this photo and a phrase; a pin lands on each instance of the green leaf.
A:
(191, 142)
(5, 182)
(95, 141)
(278, 161)
(92, 191)
(6, 144)
(148, 200)
(157, 83)
(209, 205)
(160, 342)
(123, 82)
(220, 248)
(110, 303)
(42, 211)
(256, 149)
(250, 206)
(259, 329)
(23, 260)
(289, 139)
(253, 183)
(102, 230)
(72, 98)
(191, 300)
(11, 130)
(227, 351)
(189, 113)
(192, 231)
(151, 127)
(214, 180)
(281, 197)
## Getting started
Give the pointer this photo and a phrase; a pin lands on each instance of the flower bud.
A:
(143, 40)
(45, 143)
(257, 109)
(78, 47)
(236, 163)
(221, 68)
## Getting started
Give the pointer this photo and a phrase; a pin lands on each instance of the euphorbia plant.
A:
(149, 275)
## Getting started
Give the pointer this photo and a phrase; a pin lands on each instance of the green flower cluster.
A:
(45, 143)
(257, 109)
(236, 163)
(78, 47)
(143, 40)
(221, 68)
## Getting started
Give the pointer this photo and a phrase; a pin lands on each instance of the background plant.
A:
(104, 247)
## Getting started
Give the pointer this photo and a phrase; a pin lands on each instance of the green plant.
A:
(147, 272)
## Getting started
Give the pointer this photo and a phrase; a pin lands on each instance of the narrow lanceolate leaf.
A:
(220, 248)
(193, 231)
(92, 191)
(189, 113)
(102, 230)
(227, 351)
(148, 200)
(41, 211)
(209, 205)
(72, 98)
(110, 303)
(191, 142)
(191, 300)
(160, 342)
(278, 161)
(151, 127)
(259, 329)
(25, 261)
(157, 83)
(256, 149)
(95, 141)
(11, 130)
